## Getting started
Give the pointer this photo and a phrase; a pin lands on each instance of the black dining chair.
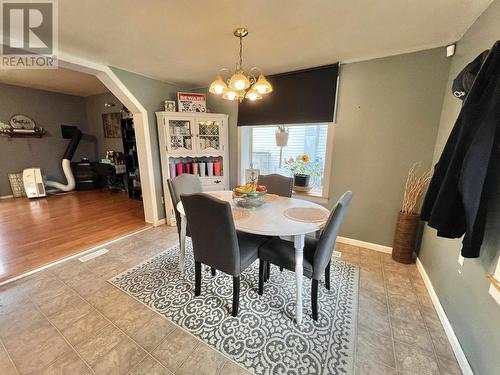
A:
(182, 184)
(216, 243)
(277, 184)
(317, 252)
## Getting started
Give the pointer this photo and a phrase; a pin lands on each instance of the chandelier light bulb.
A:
(218, 86)
(263, 86)
(219, 89)
(253, 95)
(229, 95)
(239, 85)
(239, 81)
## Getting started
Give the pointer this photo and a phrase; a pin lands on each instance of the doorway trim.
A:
(141, 124)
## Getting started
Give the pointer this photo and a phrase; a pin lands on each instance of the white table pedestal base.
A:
(299, 269)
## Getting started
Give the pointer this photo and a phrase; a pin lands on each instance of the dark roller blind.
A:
(303, 96)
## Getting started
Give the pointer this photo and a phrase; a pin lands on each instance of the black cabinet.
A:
(85, 175)
(131, 160)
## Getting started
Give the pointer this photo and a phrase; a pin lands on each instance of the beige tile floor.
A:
(69, 320)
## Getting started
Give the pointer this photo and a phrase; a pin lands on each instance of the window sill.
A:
(313, 196)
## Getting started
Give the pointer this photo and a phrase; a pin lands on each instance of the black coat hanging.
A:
(455, 203)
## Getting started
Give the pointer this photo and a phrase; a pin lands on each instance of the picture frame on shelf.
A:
(170, 106)
(191, 102)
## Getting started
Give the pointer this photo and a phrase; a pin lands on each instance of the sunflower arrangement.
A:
(303, 164)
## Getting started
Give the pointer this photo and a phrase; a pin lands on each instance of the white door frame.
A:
(141, 125)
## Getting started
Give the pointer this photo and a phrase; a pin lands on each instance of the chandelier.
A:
(241, 84)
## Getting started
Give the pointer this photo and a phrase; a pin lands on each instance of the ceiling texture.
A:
(60, 80)
(186, 42)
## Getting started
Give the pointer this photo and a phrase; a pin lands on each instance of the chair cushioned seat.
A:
(249, 243)
(282, 253)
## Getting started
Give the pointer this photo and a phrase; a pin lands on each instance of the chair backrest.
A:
(182, 184)
(211, 224)
(327, 239)
(277, 184)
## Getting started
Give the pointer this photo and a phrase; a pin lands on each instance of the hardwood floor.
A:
(37, 232)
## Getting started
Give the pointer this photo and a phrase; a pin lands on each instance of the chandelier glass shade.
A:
(241, 84)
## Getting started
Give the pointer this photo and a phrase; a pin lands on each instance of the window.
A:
(264, 154)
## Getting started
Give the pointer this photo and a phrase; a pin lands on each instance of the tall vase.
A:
(405, 237)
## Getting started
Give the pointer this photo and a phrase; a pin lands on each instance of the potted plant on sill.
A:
(302, 169)
(405, 235)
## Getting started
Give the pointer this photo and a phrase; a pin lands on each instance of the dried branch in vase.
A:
(414, 188)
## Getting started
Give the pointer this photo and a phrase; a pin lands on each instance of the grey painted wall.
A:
(49, 110)
(151, 94)
(94, 106)
(474, 315)
(387, 119)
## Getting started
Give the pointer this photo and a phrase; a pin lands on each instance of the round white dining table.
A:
(269, 220)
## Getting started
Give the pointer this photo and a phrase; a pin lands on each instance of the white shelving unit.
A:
(191, 137)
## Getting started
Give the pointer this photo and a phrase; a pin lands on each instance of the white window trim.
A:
(245, 155)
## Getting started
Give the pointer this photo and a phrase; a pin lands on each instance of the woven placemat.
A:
(240, 214)
(306, 214)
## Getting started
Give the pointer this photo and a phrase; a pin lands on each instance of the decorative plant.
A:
(414, 188)
(282, 129)
(5, 129)
(302, 164)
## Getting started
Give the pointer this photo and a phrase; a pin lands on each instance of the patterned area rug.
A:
(264, 337)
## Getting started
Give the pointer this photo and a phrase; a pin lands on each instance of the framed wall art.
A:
(111, 123)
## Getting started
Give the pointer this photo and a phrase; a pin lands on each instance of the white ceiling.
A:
(187, 41)
(57, 80)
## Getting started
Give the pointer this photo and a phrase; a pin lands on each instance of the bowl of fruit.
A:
(249, 195)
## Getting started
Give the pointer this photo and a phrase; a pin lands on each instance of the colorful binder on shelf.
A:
(217, 168)
(172, 170)
(179, 168)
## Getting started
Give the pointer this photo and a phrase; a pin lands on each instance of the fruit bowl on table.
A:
(249, 198)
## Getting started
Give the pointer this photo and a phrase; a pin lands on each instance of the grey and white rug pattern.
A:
(264, 337)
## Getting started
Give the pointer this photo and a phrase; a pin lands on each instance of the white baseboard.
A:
(366, 245)
(6, 196)
(160, 222)
(455, 344)
(71, 257)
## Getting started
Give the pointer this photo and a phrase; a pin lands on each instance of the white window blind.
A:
(308, 139)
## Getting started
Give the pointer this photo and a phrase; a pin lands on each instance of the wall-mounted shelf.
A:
(23, 133)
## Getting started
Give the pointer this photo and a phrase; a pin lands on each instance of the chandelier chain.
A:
(241, 53)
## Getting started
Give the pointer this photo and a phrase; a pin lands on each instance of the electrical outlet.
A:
(461, 260)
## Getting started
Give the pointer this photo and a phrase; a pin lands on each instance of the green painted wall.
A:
(388, 106)
(474, 315)
(387, 119)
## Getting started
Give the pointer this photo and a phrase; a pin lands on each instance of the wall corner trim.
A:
(366, 245)
(160, 222)
(450, 333)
